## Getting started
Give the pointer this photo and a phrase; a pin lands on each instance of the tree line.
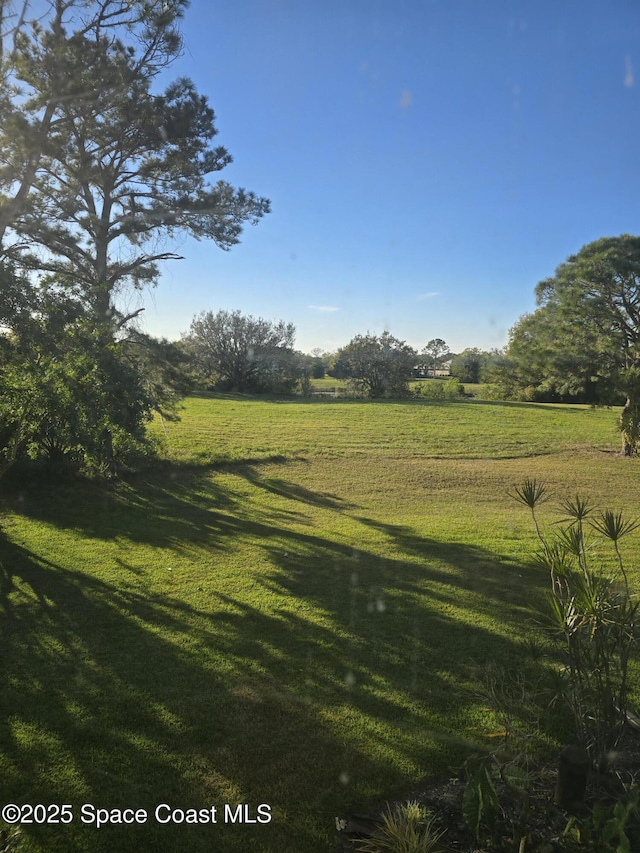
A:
(230, 351)
(581, 345)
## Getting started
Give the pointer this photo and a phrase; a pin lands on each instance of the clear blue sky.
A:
(428, 161)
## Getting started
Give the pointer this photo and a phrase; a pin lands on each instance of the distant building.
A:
(423, 372)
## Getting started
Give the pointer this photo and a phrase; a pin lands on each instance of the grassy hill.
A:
(296, 608)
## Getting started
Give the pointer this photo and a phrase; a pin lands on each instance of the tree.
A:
(96, 170)
(163, 368)
(122, 167)
(313, 363)
(585, 336)
(535, 367)
(380, 366)
(73, 394)
(435, 352)
(470, 365)
(241, 353)
(31, 101)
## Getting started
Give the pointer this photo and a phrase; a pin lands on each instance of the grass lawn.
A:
(294, 609)
(329, 384)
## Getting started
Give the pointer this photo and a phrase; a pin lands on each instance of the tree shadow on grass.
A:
(113, 699)
(347, 675)
(293, 491)
(178, 505)
(547, 407)
(498, 578)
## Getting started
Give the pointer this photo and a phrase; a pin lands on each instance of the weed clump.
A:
(407, 828)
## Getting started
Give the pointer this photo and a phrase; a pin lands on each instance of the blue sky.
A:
(428, 161)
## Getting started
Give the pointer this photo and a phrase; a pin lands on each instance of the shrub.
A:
(408, 828)
(592, 616)
(377, 366)
(10, 838)
(436, 389)
(305, 386)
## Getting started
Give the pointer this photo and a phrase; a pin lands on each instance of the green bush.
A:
(437, 389)
(408, 828)
(10, 838)
(305, 386)
(592, 616)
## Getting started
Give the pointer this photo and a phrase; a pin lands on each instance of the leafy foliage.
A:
(122, 166)
(607, 828)
(237, 352)
(434, 353)
(471, 365)
(435, 389)
(96, 169)
(593, 618)
(73, 393)
(583, 342)
(480, 800)
(37, 81)
(378, 366)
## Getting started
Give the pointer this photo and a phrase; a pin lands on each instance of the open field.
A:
(294, 609)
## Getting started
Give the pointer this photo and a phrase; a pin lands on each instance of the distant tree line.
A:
(582, 344)
(383, 366)
(230, 351)
(377, 366)
(475, 366)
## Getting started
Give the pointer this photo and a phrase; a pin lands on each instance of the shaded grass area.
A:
(308, 631)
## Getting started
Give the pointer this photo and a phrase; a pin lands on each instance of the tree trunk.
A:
(573, 772)
(102, 304)
(630, 426)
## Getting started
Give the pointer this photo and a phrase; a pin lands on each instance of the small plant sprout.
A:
(614, 527)
(576, 509)
(531, 493)
(480, 802)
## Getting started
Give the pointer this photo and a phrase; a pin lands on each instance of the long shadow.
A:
(182, 504)
(121, 698)
(111, 687)
(499, 579)
(293, 491)
(547, 407)
(166, 509)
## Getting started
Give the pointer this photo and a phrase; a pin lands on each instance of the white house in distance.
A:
(442, 370)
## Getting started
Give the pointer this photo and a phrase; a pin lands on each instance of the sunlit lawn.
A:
(295, 609)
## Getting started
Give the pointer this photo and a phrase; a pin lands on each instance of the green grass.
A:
(329, 383)
(295, 608)
(478, 390)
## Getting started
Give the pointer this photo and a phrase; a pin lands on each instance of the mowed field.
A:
(295, 609)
